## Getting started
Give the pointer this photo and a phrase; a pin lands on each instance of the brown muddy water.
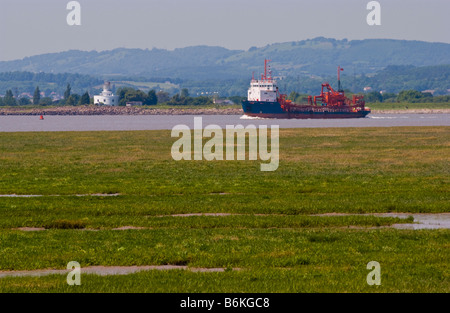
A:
(15, 123)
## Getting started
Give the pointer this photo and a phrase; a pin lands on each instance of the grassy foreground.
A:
(270, 232)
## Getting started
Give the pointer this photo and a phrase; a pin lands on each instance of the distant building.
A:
(133, 103)
(367, 89)
(106, 97)
(55, 96)
(429, 91)
(26, 95)
(220, 101)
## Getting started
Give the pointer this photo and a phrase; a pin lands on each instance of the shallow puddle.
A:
(109, 270)
(30, 228)
(19, 196)
(198, 214)
(77, 195)
(421, 220)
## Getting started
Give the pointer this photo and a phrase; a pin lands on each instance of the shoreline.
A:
(116, 110)
(104, 110)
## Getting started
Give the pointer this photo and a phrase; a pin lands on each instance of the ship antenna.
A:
(339, 79)
(265, 69)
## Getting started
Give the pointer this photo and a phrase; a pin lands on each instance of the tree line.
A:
(391, 80)
(410, 96)
(48, 82)
(152, 97)
(69, 99)
(126, 94)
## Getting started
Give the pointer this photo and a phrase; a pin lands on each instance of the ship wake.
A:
(246, 117)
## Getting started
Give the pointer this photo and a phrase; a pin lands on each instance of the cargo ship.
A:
(264, 100)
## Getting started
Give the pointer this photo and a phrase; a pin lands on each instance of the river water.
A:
(14, 123)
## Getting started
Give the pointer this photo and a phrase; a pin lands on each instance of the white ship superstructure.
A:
(264, 89)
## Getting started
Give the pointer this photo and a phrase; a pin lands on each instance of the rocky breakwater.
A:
(116, 110)
(139, 110)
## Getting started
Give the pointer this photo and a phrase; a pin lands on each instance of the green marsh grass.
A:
(269, 230)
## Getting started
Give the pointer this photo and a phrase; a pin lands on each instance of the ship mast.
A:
(339, 79)
(265, 70)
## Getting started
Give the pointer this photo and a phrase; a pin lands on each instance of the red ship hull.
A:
(276, 110)
(309, 115)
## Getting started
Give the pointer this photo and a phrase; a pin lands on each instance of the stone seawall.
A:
(109, 110)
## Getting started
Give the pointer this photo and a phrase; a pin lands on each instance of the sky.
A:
(31, 27)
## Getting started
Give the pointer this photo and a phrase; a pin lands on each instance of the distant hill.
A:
(179, 63)
(396, 78)
(26, 82)
(319, 57)
(393, 79)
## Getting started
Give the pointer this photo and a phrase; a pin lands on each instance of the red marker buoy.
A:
(41, 118)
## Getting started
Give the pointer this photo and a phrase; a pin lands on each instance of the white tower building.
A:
(106, 97)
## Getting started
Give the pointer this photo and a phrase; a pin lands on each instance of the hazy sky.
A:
(30, 27)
